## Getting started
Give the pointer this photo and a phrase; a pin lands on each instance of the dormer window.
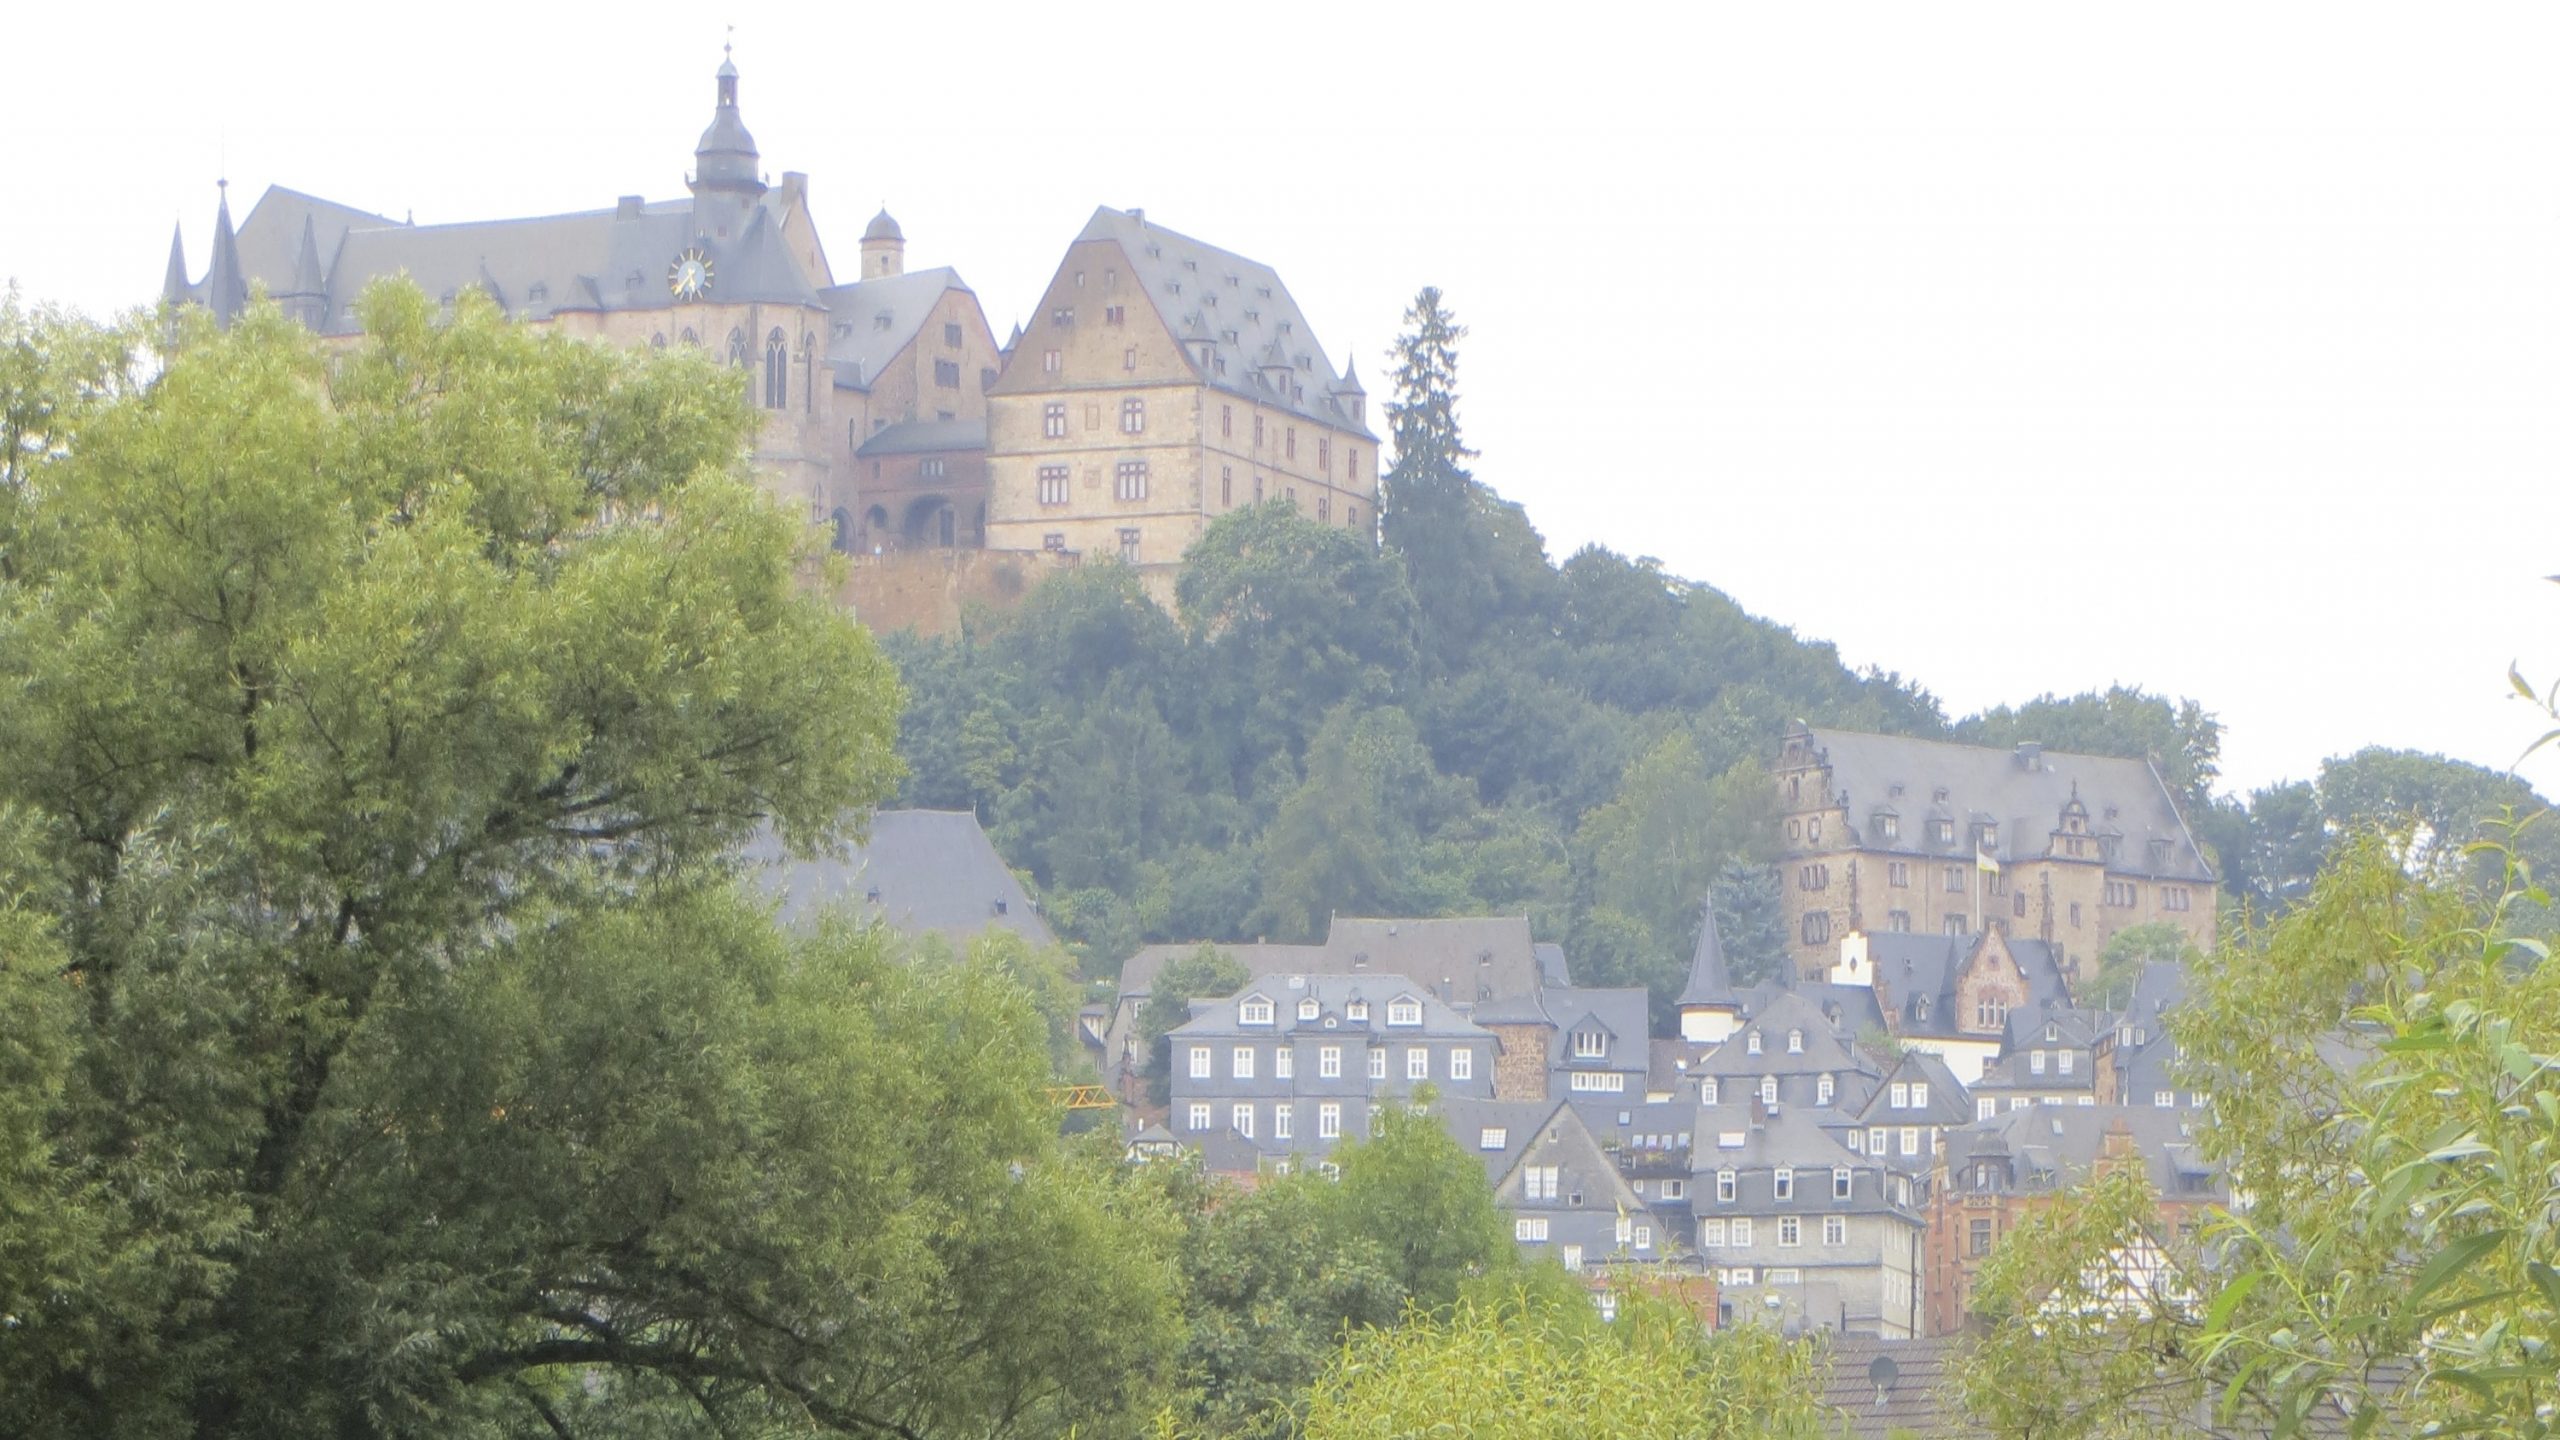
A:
(2052, 1032)
(1707, 1091)
(1357, 1010)
(1822, 1090)
(1888, 827)
(1404, 1010)
(1307, 1008)
(1920, 1095)
(1751, 1043)
(1943, 831)
(1768, 1089)
(1795, 1042)
(1590, 1045)
(1254, 1010)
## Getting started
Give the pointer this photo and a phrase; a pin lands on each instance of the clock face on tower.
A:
(690, 276)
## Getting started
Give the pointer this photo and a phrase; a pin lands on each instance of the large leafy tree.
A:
(387, 1051)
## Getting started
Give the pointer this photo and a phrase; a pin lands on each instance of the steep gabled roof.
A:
(919, 872)
(1710, 984)
(872, 321)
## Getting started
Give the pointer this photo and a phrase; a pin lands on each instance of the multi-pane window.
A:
(2062, 1061)
(1417, 1063)
(1129, 480)
(1768, 1089)
(1979, 1241)
(1404, 1012)
(1226, 485)
(1133, 416)
(1284, 1063)
(1308, 1009)
(1711, 1233)
(1784, 1179)
(1724, 1187)
(1053, 421)
(2175, 897)
(1841, 1178)
(1329, 1062)
(1742, 1233)
(1835, 1230)
(1540, 1182)
(777, 372)
(2035, 1062)
(1128, 547)
(1243, 1116)
(1822, 1090)
(1324, 456)
(946, 373)
(1255, 1010)
(1875, 1141)
(1529, 1229)
(1955, 879)
(1817, 927)
(1053, 484)
(1590, 1045)
(1910, 1139)
(1920, 1095)
(1329, 1119)
(1243, 1068)
(1049, 361)
(1280, 1121)
(1899, 1096)
(1991, 1011)
(1378, 1064)
(1199, 1062)
(1795, 1042)
(1790, 1231)
(1199, 1117)
(1462, 1064)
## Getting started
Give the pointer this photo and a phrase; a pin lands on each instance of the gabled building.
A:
(1560, 1188)
(919, 872)
(1786, 1052)
(1885, 834)
(1905, 1118)
(1799, 1232)
(1650, 1142)
(1948, 995)
(1164, 382)
(1563, 1041)
(1993, 1172)
(1293, 1064)
(2055, 1055)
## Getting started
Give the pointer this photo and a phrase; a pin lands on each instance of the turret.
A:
(226, 290)
(307, 300)
(884, 247)
(174, 289)
(725, 164)
(1348, 394)
(1709, 1006)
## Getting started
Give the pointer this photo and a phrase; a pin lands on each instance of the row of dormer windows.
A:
(1258, 1010)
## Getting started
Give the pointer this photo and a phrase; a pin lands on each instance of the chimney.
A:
(2030, 755)
(628, 207)
(1137, 214)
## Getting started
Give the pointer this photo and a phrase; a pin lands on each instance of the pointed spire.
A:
(226, 290)
(1710, 984)
(1350, 378)
(308, 278)
(174, 289)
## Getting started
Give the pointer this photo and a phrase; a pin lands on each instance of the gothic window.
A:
(738, 348)
(777, 372)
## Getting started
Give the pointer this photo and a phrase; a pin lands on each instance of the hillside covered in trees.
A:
(1454, 722)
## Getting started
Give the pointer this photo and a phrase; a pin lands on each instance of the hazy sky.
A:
(2208, 348)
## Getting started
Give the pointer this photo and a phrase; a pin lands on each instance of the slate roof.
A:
(2057, 1146)
(935, 873)
(1520, 1121)
(1238, 306)
(870, 321)
(2125, 800)
(1825, 1050)
(926, 437)
(1882, 1388)
(1908, 967)
(1949, 1102)
(1215, 1017)
(1710, 980)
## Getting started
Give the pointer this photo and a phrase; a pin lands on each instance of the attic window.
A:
(1190, 264)
(1493, 1137)
(843, 328)
(880, 321)
(1357, 1010)
(1307, 1008)
(1265, 291)
(1254, 1010)
(1751, 1043)
(1795, 1042)
(1404, 1012)
(1590, 1045)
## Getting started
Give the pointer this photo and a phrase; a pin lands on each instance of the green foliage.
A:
(2127, 951)
(2179, 738)
(1657, 851)
(1204, 973)
(386, 1051)
(1539, 1366)
(1424, 1200)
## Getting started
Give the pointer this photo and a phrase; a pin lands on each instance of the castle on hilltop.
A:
(1161, 383)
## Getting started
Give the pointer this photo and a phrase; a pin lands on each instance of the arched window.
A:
(843, 541)
(658, 341)
(738, 348)
(777, 371)
(689, 337)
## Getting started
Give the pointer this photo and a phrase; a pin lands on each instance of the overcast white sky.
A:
(2017, 347)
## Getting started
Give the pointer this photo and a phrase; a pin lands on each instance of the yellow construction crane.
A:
(1081, 1097)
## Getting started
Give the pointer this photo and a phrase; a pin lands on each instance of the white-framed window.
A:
(1675, 1189)
(1707, 1091)
(1308, 1009)
(1404, 1011)
(1751, 1043)
(2164, 1099)
(1784, 1180)
(1742, 1233)
(1644, 1237)
(1857, 1142)
(1243, 1117)
(1254, 1011)
(1539, 1182)
(1199, 1062)
(1607, 1082)
(1724, 1187)
(1280, 1121)
(1243, 1068)
(1199, 1117)
(1462, 1064)
(1822, 1090)
(1590, 1045)
(1795, 1042)
(1910, 1139)
(1875, 1140)
(1357, 1010)
(1529, 1229)
(1768, 1089)
(1710, 1233)
(1284, 1063)
(1329, 1119)
(1129, 480)
(1493, 1137)
(1790, 1232)
(2062, 1061)
(1329, 1062)
(1919, 1094)
(1378, 1062)
(1053, 484)
(1835, 1230)
(1842, 1177)
(1985, 1107)
(1626, 1233)
(1899, 1097)
(1570, 1256)
(2035, 1061)
(1417, 1063)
